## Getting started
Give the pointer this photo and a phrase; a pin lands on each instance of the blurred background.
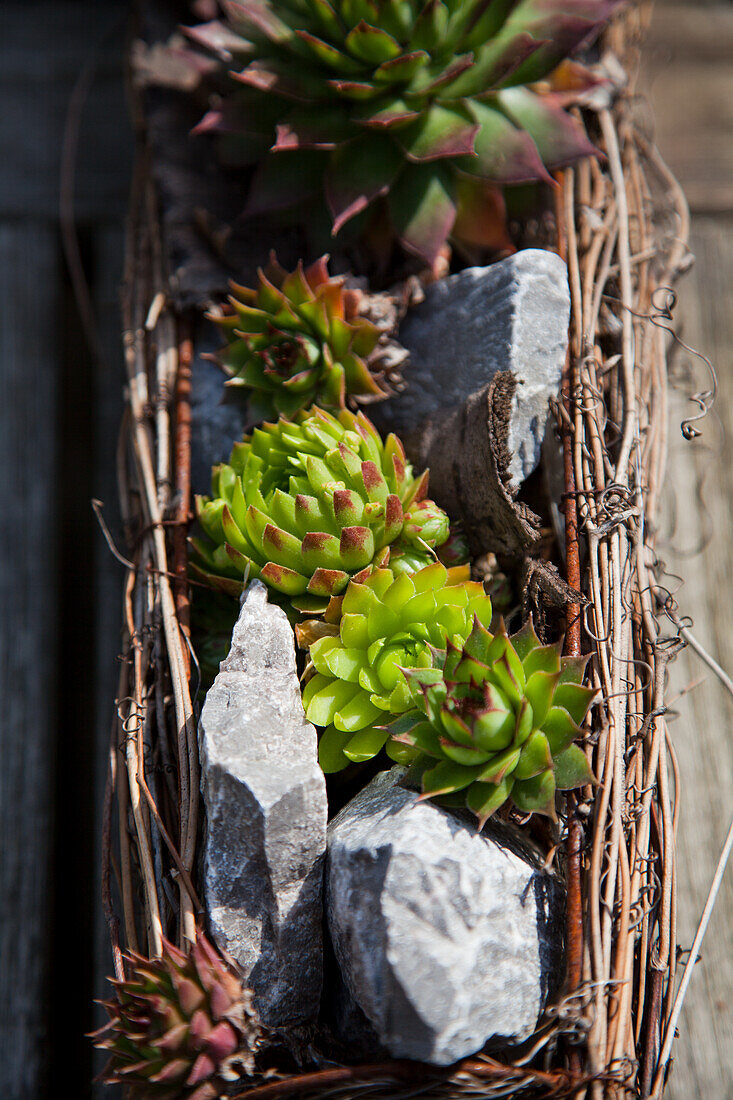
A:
(66, 158)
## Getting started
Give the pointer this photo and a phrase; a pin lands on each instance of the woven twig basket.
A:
(622, 226)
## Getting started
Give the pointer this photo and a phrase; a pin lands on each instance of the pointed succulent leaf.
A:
(446, 778)
(560, 729)
(365, 744)
(536, 795)
(575, 699)
(323, 697)
(451, 85)
(179, 1023)
(539, 691)
(543, 658)
(535, 757)
(560, 139)
(463, 754)
(422, 210)
(572, 769)
(356, 715)
(358, 173)
(437, 133)
(484, 799)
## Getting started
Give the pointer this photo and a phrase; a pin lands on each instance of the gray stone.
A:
(266, 811)
(447, 938)
(512, 315)
(218, 416)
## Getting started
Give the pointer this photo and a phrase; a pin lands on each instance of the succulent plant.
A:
(454, 551)
(299, 340)
(387, 623)
(179, 1025)
(496, 720)
(307, 504)
(425, 102)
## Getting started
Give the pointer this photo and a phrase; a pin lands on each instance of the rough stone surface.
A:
(266, 812)
(216, 421)
(447, 938)
(513, 316)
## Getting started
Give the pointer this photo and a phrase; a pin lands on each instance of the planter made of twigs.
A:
(621, 224)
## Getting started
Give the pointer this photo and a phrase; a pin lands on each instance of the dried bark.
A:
(468, 457)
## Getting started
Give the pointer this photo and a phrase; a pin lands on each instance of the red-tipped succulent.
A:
(422, 106)
(307, 504)
(299, 339)
(179, 1025)
(495, 720)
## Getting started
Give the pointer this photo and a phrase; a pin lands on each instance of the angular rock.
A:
(266, 812)
(217, 418)
(510, 316)
(447, 938)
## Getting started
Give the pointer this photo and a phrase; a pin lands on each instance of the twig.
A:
(182, 471)
(574, 844)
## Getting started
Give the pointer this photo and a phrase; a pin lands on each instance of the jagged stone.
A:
(447, 938)
(266, 811)
(217, 418)
(510, 316)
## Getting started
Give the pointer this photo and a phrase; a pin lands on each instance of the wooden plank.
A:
(689, 82)
(43, 49)
(28, 546)
(689, 79)
(699, 508)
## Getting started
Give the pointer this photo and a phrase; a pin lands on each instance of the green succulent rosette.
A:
(419, 104)
(296, 340)
(388, 622)
(495, 719)
(307, 504)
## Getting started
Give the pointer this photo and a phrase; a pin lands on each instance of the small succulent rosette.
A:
(495, 719)
(305, 505)
(420, 109)
(386, 623)
(299, 339)
(179, 1025)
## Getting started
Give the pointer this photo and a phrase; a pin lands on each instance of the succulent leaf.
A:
(299, 339)
(398, 99)
(179, 1025)
(499, 714)
(392, 629)
(307, 504)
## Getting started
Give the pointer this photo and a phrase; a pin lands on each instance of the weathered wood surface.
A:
(59, 586)
(690, 80)
(699, 510)
(29, 305)
(44, 45)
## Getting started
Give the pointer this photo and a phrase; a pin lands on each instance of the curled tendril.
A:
(661, 315)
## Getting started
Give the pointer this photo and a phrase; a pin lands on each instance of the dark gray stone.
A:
(512, 315)
(218, 417)
(266, 811)
(447, 938)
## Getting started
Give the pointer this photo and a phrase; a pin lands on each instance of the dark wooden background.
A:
(60, 406)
